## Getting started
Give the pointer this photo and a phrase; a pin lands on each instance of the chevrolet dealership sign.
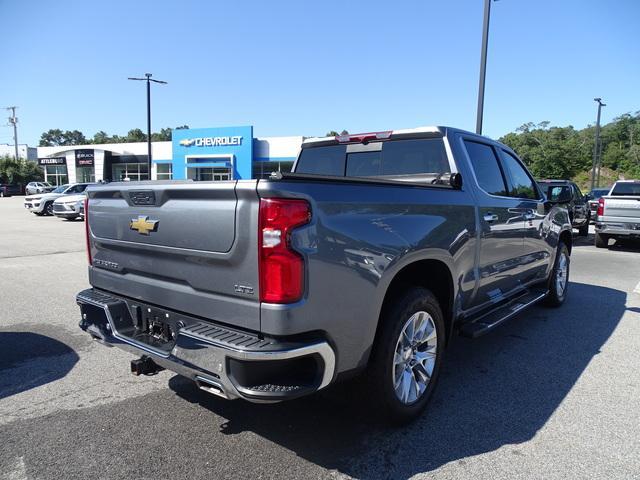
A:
(212, 141)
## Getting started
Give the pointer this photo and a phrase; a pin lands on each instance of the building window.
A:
(164, 171)
(85, 174)
(206, 174)
(264, 169)
(133, 172)
(56, 174)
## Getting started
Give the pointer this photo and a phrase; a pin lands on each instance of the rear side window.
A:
(626, 188)
(486, 167)
(522, 185)
(322, 160)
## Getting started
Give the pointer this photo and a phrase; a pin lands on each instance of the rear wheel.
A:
(602, 241)
(406, 359)
(559, 280)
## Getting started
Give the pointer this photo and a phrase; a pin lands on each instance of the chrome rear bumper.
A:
(228, 363)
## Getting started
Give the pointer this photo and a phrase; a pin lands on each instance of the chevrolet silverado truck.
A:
(618, 215)
(366, 259)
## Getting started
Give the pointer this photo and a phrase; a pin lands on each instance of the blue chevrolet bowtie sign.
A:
(202, 146)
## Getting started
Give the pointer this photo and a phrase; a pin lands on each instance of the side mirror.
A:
(456, 180)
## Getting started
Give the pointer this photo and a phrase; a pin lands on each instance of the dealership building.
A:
(226, 153)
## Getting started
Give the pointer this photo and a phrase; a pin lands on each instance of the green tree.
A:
(51, 138)
(333, 133)
(135, 135)
(19, 171)
(163, 136)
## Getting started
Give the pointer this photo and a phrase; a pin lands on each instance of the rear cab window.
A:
(390, 159)
(626, 188)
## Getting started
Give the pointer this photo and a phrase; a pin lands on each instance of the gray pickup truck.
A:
(366, 259)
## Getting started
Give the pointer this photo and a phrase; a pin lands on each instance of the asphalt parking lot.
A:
(554, 394)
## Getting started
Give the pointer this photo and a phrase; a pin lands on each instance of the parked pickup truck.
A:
(618, 215)
(366, 259)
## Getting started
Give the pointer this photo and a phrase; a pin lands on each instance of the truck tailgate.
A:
(184, 246)
(623, 207)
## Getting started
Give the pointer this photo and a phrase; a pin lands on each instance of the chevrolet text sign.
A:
(205, 147)
(212, 141)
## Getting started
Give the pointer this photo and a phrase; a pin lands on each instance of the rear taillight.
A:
(600, 211)
(281, 267)
(86, 230)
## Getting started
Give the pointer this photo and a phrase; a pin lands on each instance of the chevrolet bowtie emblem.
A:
(187, 142)
(143, 225)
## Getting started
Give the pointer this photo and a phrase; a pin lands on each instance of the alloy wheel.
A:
(415, 357)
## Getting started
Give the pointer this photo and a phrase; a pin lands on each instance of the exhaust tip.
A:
(211, 387)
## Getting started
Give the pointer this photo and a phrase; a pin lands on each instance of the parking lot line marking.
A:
(637, 289)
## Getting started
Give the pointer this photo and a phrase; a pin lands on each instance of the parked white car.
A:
(43, 204)
(69, 207)
(38, 187)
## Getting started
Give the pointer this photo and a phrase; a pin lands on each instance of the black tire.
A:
(381, 370)
(557, 293)
(48, 209)
(583, 231)
(602, 240)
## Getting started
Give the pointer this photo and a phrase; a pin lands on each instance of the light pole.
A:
(483, 65)
(148, 79)
(14, 121)
(595, 146)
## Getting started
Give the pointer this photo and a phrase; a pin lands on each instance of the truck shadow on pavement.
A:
(42, 358)
(495, 391)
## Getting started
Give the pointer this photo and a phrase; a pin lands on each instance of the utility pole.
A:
(483, 65)
(599, 169)
(14, 121)
(148, 79)
(597, 142)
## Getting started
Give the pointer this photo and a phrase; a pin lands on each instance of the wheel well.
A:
(433, 275)
(567, 239)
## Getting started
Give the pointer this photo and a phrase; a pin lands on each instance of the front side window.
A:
(486, 167)
(522, 185)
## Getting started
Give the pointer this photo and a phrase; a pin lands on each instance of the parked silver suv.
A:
(38, 187)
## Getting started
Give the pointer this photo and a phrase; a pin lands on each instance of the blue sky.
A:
(302, 68)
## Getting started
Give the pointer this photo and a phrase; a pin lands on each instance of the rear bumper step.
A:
(228, 363)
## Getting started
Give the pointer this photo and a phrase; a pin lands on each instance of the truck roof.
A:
(434, 130)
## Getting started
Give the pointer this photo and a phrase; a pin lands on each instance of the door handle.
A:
(530, 216)
(490, 217)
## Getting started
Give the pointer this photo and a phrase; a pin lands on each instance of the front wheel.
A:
(559, 280)
(406, 358)
(48, 209)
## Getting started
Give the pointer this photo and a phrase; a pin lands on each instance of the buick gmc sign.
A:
(84, 157)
